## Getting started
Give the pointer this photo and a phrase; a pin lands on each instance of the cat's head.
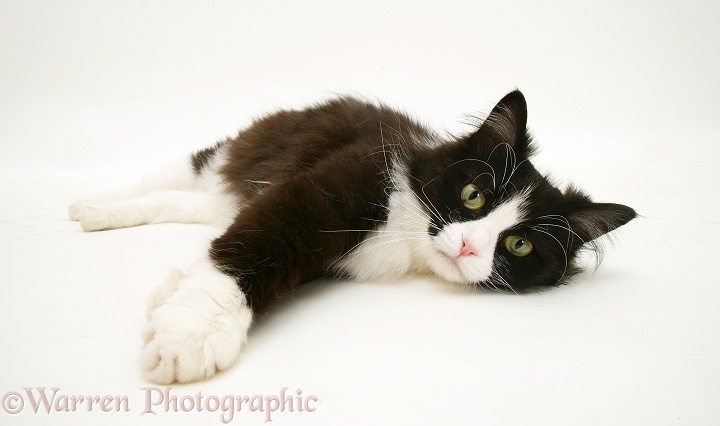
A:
(494, 220)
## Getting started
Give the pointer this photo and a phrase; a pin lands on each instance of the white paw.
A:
(197, 324)
(92, 216)
(75, 209)
(162, 293)
(95, 218)
(78, 207)
(99, 216)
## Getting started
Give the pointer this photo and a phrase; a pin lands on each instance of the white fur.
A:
(403, 245)
(178, 176)
(392, 250)
(197, 324)
(448, 262)
(175, 194)
(197, 321)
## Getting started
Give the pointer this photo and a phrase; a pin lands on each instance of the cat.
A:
(353, 189)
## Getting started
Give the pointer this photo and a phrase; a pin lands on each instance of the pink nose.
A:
(467, 248)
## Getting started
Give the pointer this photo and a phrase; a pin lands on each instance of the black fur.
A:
(496, 158)
(201, 158)
(328, 167)
(327, 170)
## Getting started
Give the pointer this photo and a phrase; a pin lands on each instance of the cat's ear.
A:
(506, 124)
(594, 220)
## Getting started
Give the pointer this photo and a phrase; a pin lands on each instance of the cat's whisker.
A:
(352, 253)
(377, 231)
(412, 209)
(490, 285)
(384, 150)
(567, 228)
(384, 200)
(512, 173)
(417, 212)
(431, 209)
(509, 151)
(496, 277)
(479, 176)
(368, 239)
(564, 253)
(509, 161)
(572, 234)
(393, 181)
(477, 160)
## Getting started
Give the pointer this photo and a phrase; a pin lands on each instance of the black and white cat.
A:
(354, 189)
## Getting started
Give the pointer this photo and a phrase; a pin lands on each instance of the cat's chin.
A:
(462, 270)
(449, 269)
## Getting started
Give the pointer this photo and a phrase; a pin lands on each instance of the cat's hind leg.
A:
(159, 207)
(177, 176)
(188, 191)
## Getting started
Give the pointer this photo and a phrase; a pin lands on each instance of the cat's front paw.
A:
(197, 324)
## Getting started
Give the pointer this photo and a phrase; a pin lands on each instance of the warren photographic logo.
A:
(156, 401)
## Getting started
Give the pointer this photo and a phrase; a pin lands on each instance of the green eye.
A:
(518, 246)
(472, 197)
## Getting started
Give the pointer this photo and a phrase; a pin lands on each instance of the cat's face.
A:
(494, 220)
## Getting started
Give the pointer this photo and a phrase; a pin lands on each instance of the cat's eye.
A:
(472, 197)
(518, 246)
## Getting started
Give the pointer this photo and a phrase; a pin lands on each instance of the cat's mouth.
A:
(450, 268)
(461, 269)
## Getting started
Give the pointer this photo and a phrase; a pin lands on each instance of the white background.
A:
(623, 100)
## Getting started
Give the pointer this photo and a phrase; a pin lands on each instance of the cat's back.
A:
(289, 142)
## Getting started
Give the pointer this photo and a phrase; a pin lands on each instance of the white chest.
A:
(394, 249)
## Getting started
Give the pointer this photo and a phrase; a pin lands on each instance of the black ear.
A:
(507, 123)
(593, 220)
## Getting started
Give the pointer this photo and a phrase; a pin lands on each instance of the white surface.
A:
(623, 100)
